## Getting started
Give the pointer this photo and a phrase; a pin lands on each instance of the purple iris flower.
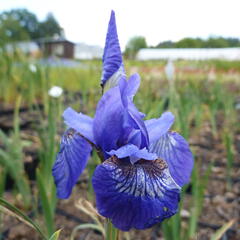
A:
(144, 164)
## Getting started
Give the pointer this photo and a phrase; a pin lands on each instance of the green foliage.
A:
(229, 146)
(225, 65)
(219, 42)
(134, 45)
(20, 215)
(20, 25)
(9, 209)
(199, 185)
(211, 42)
(166, 44)
(11, 159)
(189, 43)
(45, 183)
(49, 27)
(11, 30)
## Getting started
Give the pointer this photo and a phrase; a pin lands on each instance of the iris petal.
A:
(174, 149)
(70, 162)
(133, 152)
(158, 127)
(116, 117)
(135, 138)
(113, 68)
(128, 89)
(135, 196)
(80, 122)
(108, 120)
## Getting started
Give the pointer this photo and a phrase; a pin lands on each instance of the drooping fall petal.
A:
(174, 149)
(135, 196)
(71, 161)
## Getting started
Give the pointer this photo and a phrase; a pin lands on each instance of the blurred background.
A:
(188, 56)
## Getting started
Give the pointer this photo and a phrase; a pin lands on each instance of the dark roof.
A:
(53, 40)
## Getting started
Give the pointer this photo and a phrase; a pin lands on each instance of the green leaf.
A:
(56, 235)
(46, 204)
(9, 208)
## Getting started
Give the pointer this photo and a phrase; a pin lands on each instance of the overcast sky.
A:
(157, 20)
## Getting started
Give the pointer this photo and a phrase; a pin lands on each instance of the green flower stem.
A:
(112, 233)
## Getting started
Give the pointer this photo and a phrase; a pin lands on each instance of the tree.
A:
(49, 27)
(233, 42)
(134, 45)
(166, 44)
(189, 43)
(20, 25)
(216, 43)
(11, 31)
(211, 42)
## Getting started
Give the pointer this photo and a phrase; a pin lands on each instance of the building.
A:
(84, 51)
(59, 47)
(29, 48)
(188, 53)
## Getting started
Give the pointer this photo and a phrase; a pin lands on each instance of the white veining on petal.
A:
(174, 149)
(173, 141)
(142, 179)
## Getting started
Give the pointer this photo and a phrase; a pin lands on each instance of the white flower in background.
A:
(55, 91)
(169, 70)
(211, 75)
(32, 68)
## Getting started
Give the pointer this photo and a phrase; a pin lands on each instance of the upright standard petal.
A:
(113, 68)
(116, 117)
(108, 124)
(128, 90)
(135, 196)
(83, 124)
(70, 162)
(174, 149)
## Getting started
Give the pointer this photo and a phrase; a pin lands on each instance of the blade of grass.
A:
(46, 204)
(21, 216)
(199, 184)
(228, 141)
